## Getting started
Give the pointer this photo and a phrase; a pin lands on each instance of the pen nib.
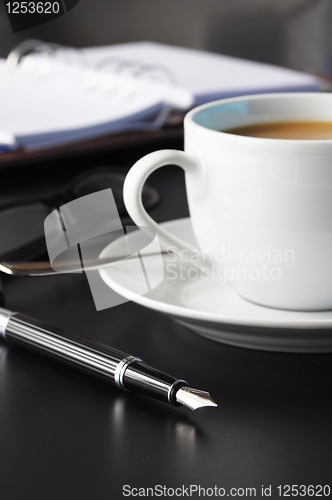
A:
(194, 398)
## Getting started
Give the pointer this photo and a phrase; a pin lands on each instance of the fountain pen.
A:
(122, 370)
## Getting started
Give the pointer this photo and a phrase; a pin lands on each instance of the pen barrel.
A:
(110, 365)
(90, 357)
(139, 377)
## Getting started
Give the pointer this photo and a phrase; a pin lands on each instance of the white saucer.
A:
(215, 310)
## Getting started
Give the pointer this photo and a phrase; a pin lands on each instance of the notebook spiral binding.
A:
(113, 74)
(109, 68)
(133, 70)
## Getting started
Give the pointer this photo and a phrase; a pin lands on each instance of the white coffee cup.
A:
(261, 209)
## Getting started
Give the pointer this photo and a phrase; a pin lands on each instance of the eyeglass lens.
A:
(22, 226)
(22, 231)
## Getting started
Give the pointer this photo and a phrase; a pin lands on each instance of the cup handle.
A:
(134, 182)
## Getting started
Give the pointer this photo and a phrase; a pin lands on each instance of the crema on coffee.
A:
(303, 130)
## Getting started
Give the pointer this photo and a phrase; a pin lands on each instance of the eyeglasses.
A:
(22, 222)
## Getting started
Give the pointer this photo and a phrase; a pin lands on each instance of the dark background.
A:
(293, 33)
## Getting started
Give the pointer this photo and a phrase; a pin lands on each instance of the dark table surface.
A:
(64, 435)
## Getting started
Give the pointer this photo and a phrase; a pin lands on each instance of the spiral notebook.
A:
(50, 96)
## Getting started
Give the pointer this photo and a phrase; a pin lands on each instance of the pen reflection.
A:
(184, 436)
(3, 357)
(118, 416)
(142, 427)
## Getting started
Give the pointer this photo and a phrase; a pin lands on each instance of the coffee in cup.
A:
(261, 208)
(299, 130)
